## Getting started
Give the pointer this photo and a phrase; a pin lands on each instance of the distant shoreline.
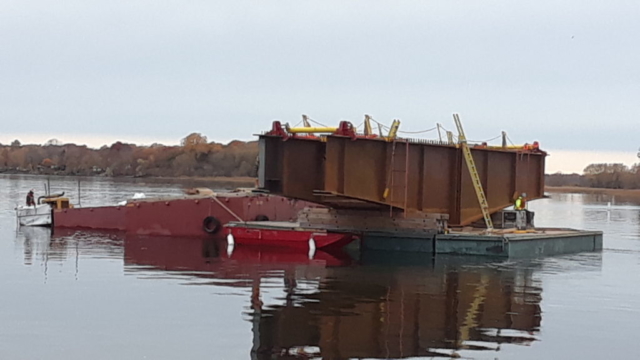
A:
(242, 181)
(236, 179)
(589, 190)
(239, 181)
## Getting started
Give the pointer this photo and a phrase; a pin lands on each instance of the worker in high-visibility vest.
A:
(521, 205)
(521, 202)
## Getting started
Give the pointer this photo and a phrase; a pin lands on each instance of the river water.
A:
(104, 296)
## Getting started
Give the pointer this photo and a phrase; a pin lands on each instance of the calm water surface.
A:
(105, 296)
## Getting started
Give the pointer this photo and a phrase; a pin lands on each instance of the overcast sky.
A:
(564, 73)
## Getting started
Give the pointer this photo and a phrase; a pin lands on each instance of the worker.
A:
(31, 198)
(521, 205)
(521, 202)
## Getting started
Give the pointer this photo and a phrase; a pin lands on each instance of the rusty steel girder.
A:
(408, 175)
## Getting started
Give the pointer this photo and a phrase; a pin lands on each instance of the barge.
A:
(186, 216)
(507, 244)
(392, 193)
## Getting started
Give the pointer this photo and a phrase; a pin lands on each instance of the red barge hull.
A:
(181, 217)
(94, 218)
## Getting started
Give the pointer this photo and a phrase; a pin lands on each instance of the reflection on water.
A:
(41, 248)
(104, 295)
(333, 306)
(380, 312)
(36, 240)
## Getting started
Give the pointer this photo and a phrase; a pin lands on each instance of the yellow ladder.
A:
(475, 179)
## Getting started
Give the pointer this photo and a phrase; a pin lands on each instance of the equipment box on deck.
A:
(507, 219)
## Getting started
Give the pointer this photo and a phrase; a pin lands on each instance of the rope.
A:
(385, 127)
(227, 209)
(445, 129)
(318, 123)
(418, 132)
(381, 125)
(403, 132)
(479, 141)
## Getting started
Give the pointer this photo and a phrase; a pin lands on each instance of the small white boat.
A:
(41, 214)
(37, 215)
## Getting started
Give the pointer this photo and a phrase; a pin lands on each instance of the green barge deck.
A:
(541, 242)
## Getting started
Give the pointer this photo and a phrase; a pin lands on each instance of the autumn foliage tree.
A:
(194, 157)
(193, 140)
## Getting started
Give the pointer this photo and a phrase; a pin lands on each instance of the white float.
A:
(312, 247)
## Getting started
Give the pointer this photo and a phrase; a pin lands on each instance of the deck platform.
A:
(541, 242)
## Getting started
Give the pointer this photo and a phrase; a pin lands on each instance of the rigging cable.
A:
(481, 141)
(403, 132)
(380, 124)
(417, 132)
(318, 123)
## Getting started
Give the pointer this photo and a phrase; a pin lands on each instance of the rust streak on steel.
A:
(354, 172)
(406, 178)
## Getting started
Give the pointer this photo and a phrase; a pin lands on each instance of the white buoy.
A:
(229, 250)
(312, 247)
(230, 245)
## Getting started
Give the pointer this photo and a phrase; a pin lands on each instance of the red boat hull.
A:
(288, 238)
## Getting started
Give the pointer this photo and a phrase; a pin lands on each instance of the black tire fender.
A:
(211, 225)
(262, 218)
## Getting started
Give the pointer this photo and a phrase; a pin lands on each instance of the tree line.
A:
(195, 156)
(610, 176)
